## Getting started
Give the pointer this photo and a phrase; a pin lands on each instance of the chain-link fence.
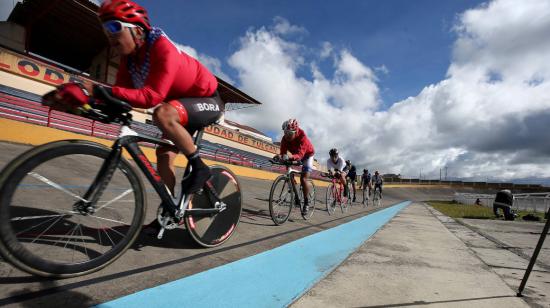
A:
(535, 202)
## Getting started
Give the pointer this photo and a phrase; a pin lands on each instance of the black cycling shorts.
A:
(198, 112)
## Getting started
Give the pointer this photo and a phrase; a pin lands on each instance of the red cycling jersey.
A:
(300, 146)
(172, 75)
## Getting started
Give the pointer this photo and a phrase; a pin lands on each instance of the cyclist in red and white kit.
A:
(153, 72)
(297, 143)
(337, 165)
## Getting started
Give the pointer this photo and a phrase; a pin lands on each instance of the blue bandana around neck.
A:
(139, 74)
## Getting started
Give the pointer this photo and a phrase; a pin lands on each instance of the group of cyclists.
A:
(296, 142)
(154, 73)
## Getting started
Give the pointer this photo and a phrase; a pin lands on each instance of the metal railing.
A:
(535, 202)
(25, 107)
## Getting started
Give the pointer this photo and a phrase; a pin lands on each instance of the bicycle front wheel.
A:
(48, 228)
(214, 230)
(331, 199)
(281, 200)
(365, 197)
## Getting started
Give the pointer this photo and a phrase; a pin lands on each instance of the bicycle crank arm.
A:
(202, 212)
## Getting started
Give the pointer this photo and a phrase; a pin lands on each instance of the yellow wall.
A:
(25, 84)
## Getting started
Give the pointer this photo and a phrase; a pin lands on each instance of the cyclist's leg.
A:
(170, 120)
(307, 167)
(192, 115)
(380, 191)
(344, 182)
(165, 165)
(353, 188)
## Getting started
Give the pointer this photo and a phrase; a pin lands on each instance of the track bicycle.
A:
(351, 187)
(376, 197)
(71, 207)
(334, 195)
(365, 195)
(286, 194)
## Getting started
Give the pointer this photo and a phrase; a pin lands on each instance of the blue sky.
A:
(396, 86)
(412, 39)
(435, 104)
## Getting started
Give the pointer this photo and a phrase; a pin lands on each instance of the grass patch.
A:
(457, 210)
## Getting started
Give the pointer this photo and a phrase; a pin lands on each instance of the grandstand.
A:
(70, 45)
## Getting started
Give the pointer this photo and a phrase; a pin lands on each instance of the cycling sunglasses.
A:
(289, 132)
(116, 26)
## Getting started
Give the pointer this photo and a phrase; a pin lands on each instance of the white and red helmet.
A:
(125, 11)
(290, 125)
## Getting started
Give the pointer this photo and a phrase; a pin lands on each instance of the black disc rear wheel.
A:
(213, 230)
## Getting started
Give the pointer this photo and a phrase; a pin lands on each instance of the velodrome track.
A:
(151, 262)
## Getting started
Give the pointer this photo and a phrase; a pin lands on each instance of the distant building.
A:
(391, 175)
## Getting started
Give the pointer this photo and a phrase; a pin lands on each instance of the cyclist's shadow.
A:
(177, 238)
(79, 237)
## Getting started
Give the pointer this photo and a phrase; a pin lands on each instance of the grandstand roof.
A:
(69, 32)
(66, 31)
(248, 128)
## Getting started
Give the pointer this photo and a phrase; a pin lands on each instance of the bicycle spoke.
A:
(107, 219)
(40, 235)
(110, 239)
(36, 217)
(115, 199)
(55, 185)
(82, 239)
(32, 227)
(70, 236)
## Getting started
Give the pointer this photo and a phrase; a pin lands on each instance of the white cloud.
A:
(326, 50)
(487, 118)
(382, 69)
(283, 27)
(330, 108)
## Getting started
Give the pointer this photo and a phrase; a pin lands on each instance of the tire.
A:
(42, 229)
(281, 200)
(311, 199)
(365, 198)
(376, 198)
(214, 230)
(331, 199)
(345, 204)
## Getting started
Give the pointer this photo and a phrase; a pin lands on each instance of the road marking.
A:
(274, 278)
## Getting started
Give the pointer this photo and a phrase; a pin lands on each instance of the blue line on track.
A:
(274, 278)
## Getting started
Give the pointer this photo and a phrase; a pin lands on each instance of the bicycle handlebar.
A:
(287, 163)
(334, 175)
(104, 108)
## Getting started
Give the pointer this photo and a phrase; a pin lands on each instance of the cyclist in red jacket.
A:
(296, 142)
(153, 72)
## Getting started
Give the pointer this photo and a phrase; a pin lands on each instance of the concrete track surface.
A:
(150, 262)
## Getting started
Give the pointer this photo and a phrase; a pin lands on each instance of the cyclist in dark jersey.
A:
(153, 72)
(365, 180)
(352, 175)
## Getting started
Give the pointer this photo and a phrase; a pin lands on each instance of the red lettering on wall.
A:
(28, 68)
(4, 65)
(53, 76)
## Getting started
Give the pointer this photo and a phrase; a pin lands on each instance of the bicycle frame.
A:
(128, 139)
(290, 173)
(337, 188)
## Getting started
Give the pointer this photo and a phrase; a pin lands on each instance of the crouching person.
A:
(504, 201)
